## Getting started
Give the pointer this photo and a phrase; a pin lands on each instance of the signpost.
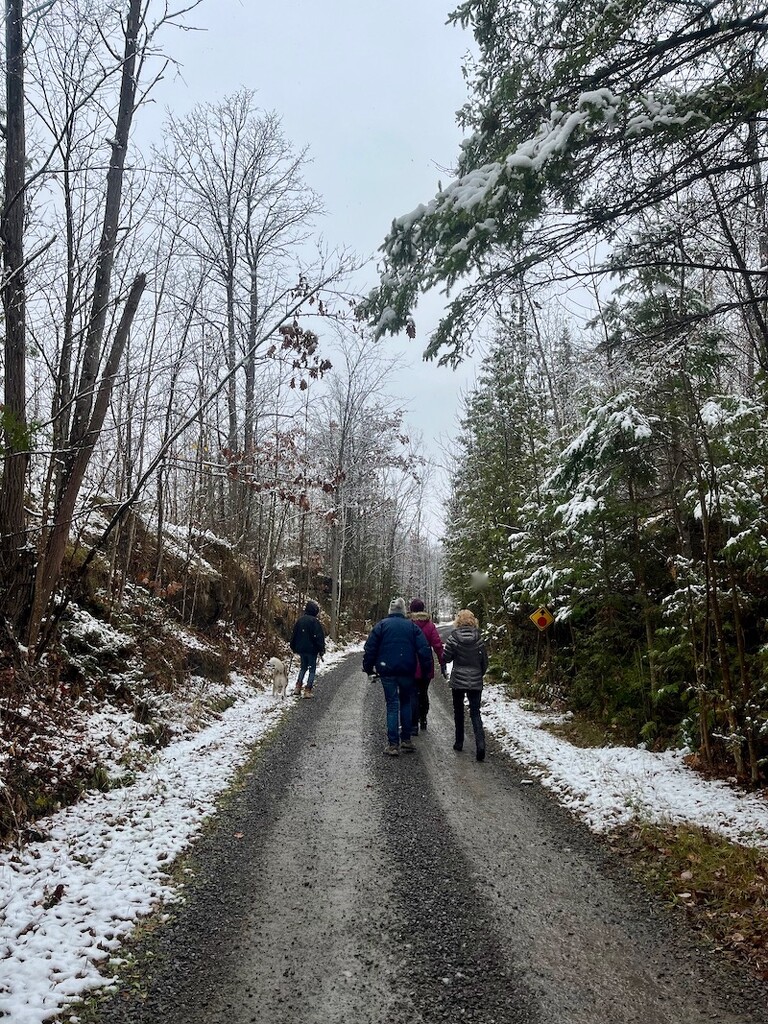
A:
(542, 618)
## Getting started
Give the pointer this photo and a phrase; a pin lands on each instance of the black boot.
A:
(458, 727)
(477, 728)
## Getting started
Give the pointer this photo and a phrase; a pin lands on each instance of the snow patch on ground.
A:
(609, 786)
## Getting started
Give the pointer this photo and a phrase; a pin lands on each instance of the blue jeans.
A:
(397, 694)
(307, 662)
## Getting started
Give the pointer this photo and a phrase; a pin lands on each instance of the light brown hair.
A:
(465, 618)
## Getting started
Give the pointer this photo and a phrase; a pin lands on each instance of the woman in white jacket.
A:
(466, 651)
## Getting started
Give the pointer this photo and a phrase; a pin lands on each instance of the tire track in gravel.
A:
(457, 967)
(309, 916)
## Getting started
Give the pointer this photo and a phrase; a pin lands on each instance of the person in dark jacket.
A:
(466, 651)
(308, 641)
(395, 646)
(420, 697)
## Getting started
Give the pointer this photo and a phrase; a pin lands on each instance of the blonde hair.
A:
(465, 618)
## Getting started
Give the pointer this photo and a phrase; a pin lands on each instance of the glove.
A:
(444, 670)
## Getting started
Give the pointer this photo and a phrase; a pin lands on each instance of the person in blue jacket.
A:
(395, 646)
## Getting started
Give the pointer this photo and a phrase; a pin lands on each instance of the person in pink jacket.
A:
(420, 698)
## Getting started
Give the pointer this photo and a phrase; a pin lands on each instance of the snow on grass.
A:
(94, 633)
(187, 637)
(609, 786)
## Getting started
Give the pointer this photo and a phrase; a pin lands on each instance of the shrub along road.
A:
(339, 885)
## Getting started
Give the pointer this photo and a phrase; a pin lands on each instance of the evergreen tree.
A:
(582, 118)
(504, 451)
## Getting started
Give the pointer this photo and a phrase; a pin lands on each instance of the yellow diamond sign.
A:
(542, 618)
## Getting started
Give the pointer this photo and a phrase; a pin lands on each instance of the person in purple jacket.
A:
(420, 695)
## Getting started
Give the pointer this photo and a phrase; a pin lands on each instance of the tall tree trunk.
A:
(61, 410)
(102, 285)
(234, 458)
(249, 420)
(646, 604)
(335, 581)
(761, 209)
(15, 558)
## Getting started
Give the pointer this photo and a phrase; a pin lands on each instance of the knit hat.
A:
(312, 608)
(397, 606)
(417, 605)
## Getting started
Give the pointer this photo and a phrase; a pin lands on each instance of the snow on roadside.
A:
(610, 786)
(67, 903)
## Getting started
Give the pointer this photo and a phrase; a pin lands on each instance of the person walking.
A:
(466, 650)
(420, 698)
(308, 641)
(395, 646)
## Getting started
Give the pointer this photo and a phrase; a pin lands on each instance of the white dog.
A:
(279, 677)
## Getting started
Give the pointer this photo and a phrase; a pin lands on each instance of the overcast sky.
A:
(371, 87)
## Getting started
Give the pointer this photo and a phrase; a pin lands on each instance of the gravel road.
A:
(341, 886)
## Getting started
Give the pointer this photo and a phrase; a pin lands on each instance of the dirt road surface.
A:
(341, 886)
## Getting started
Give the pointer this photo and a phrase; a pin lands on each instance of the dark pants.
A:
(420, 703)
(473, 696)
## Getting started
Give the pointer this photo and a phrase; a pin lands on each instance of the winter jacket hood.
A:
(431, 635)
(466, 650)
